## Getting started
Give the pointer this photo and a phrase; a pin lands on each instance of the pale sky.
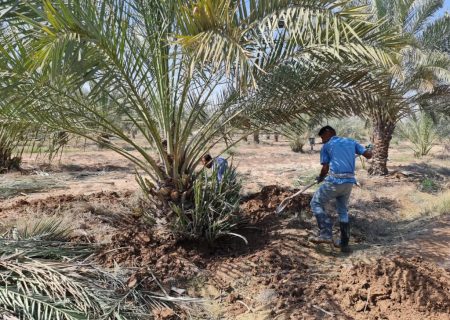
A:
(446, 6)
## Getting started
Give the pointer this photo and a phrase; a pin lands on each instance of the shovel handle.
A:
(301, 191)
(283, 203)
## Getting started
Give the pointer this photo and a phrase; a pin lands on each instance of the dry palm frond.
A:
(45, 249)
(44, 239)
(38, 289)
(45, 229)
(35, 290)
(35, 283)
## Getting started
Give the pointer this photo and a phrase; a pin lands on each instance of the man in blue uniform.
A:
(218, 164)
(337, 158)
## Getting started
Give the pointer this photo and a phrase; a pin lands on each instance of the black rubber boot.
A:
(345, 236)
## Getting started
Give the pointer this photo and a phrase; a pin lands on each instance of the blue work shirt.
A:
(220, 165)
(339, 153)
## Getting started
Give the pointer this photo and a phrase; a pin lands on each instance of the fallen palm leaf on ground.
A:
(39, 289)
(42, 276)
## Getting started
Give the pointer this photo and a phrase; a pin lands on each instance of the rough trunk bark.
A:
(382, 135)
(256, 137)
(8, 162)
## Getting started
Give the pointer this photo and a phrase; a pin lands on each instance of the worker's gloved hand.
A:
(319, 179)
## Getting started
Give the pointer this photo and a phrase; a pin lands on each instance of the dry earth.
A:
(399, 268)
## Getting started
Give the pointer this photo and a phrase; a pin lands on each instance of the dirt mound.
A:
(395, 288)
(55, 202)
(140, 246)
(92, 217)
(137, 245)
(269, 197)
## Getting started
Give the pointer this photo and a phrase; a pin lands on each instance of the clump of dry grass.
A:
(297, 144)
(438, 206)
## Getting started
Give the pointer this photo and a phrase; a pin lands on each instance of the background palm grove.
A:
(161, 83)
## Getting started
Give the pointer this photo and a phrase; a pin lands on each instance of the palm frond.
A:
(43, 249)
(421, 65)
(421, 132)
(437, 101)
(420, 13)
(255, 36)
(45, 229)
(36, 290)
(7, 6)
(423, 70)
(298, 90)
(33, 289)
(436, 35)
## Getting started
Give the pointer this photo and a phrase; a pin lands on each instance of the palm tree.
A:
(421, 131)
(420, 75)
(175, 70)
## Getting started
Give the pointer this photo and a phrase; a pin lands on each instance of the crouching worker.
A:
(337, 158)
(218, 164)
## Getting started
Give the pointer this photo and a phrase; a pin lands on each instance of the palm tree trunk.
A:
(256, 136)
(4, 158)
(383, 129)
(8, 162)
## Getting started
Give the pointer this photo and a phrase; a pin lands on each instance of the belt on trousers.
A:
(342, 175)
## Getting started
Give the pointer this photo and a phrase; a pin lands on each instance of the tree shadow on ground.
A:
(373, 228)
(425, 169)
(95, 168)
(256, 236)
(386, 230)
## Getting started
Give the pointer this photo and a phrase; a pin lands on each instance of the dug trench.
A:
(277, 275)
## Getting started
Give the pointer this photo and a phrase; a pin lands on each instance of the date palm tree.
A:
(176, 70)
(421, 73)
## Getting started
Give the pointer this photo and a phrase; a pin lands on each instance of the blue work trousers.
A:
(329, 191)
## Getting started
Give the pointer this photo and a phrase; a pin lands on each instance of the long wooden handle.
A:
(298, 193)
(303, 190)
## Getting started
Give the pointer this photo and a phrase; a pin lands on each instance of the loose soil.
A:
(398, 270)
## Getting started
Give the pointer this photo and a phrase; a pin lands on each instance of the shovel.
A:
(285, 202)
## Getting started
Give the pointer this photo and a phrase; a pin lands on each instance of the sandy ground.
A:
(399, 268)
